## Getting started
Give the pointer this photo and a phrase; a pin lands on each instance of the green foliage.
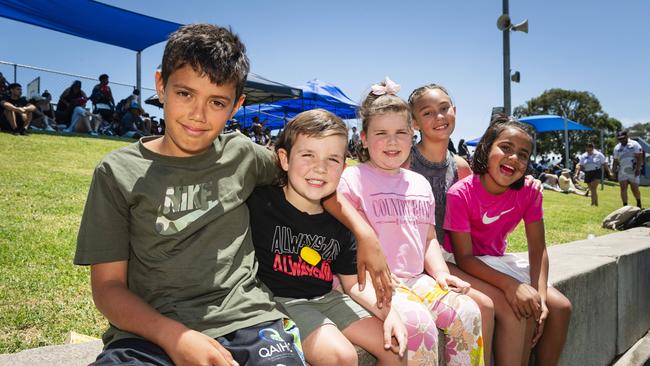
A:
(44, 180)
(640, 130)
(579, 106)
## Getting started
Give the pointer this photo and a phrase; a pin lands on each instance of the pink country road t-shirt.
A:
(487, 217)
(400, 207)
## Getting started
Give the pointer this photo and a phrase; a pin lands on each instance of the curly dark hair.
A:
(499, 123)
(210, 50)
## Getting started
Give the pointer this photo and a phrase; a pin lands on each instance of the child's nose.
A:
(321, 166)
(197, 113)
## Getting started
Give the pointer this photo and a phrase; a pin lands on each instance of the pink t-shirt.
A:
(487, 217)
(400, 207)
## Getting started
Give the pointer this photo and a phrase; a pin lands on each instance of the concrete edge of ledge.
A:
(637, 355)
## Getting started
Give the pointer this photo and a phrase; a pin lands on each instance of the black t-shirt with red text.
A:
(298, 253)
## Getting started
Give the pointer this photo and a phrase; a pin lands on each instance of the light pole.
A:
(504, 24)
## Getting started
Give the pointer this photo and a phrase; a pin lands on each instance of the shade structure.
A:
(91, 20)
(473, 142)
(545, 123)
(316, 94)
(258, 89)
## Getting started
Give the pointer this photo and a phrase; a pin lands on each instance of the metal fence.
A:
(55, 82)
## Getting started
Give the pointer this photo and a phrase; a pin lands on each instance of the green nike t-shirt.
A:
(183, 226)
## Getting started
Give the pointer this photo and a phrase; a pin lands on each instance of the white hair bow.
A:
(390, 87)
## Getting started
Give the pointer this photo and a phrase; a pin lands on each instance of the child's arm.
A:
(462, 167)
(436, 267)
(128, 312)
(393, 325)
(523, 299)
(370, 257)
(538, 259)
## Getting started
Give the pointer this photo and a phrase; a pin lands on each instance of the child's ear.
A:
(362, 135)
(283, 157)
(240, 101)
(160, 87)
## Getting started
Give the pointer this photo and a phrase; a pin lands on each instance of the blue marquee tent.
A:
(92, 20)
(316, 94)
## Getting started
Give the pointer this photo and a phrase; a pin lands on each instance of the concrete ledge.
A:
(64, 355)
(607, 279)
(630, 250)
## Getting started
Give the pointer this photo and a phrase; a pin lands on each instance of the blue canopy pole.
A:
(138, 75)
(567, 163)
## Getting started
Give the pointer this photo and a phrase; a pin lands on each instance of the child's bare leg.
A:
(486, 306)
(368, 333)
(327, 346)
(11, 118)
(528, 338)
(549, 348)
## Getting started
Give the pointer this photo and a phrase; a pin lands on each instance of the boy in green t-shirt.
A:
(166, 229)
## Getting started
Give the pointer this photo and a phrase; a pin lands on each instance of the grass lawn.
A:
(44, 180)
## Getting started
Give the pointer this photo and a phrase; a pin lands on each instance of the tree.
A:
(641, 130)
(579, 106)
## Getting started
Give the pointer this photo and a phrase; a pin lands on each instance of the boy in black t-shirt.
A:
(300, 248)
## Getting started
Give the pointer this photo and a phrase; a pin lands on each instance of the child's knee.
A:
(338, 355)
(562, 307)
(485, 304)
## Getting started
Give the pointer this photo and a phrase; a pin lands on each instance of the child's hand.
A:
(195, 348)
(394, 328)
(536, 184)
(525, 301)
(539, 328)
(371, 258)
(450, 282)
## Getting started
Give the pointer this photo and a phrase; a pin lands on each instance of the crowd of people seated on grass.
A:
(73, 113)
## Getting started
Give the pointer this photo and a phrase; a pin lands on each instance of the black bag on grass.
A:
(642, 218)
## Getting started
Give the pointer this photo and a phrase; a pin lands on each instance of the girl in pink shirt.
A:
(482, 209)
(399, 205)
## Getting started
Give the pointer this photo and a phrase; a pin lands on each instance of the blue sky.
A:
(588, 45)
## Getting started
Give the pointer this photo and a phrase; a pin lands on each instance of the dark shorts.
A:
(592, 175)
(270, 343)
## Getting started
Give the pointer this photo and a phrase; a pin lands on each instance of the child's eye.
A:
(218, 103)
(426, 114)
(334, 160)
(182, 93)
(522, 156)
(307, 155)
(505, 148)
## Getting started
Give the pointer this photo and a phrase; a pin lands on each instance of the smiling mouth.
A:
(316, 182)
(392, 153)
(441, 127)
(508, 170)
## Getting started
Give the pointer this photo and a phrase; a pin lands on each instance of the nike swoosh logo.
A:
(165, 226)
(487, 220)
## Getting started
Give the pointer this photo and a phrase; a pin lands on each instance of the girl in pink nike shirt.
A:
(482, 209)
